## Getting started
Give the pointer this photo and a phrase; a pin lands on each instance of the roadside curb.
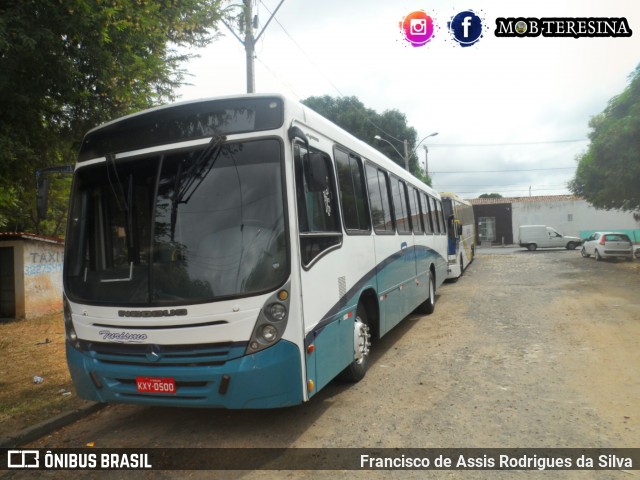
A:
(41, 429)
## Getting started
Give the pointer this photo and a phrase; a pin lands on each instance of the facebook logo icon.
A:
(466, 28)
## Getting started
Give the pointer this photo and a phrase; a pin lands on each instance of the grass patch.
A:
(30, 348)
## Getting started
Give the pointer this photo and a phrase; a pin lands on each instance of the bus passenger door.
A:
(323, 268)
(453, 235)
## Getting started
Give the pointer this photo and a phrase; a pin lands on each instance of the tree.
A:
(69, 65)
(490, 195)
(365, 123)
(608, 173)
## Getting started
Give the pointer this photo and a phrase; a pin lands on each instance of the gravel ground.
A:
(527, 349)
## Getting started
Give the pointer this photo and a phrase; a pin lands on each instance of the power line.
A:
(490, 185)
(322, 73)
(303, 51)
(506, 171)
(498, 190)
(506, 144)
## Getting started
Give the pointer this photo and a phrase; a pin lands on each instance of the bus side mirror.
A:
(42, 198)
(316, 173)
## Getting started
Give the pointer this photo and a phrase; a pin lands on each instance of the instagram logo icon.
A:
(417, 28)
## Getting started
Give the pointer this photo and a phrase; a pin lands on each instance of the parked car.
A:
(533, 237)
(607, 245)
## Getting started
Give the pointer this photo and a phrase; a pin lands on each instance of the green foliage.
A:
(7, 202)
(608, 173)
(490, 195)
(365, 123)
(68, 65)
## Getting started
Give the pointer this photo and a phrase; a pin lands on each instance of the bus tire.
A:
(429, 305)
(362, 347)
(532, 247)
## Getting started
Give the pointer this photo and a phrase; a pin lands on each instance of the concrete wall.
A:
(42, 266)
(573, 217)
(37, 272)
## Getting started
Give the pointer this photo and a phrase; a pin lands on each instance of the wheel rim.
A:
(361, 340)
(432, 291)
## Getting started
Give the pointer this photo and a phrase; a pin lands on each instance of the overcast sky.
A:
(511, 113)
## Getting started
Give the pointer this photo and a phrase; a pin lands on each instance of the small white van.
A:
(541, 236)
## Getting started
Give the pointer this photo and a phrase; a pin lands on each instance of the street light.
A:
(426, 152)
(405, 157)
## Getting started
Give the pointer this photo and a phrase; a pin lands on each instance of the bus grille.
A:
(214, 354)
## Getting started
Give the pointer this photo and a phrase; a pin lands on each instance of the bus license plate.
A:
(163, 385)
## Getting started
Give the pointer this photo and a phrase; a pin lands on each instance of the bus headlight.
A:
(269, 333)
(271, 322)
(277, 311)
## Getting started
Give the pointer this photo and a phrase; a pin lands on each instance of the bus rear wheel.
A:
(361, 345)
(429, 305)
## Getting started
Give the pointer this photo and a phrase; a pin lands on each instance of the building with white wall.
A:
(501, 218)
(30, 275)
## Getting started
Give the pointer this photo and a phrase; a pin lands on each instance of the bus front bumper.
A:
(270, 378)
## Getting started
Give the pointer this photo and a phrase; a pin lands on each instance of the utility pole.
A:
(249, 41)
(249, 46)
(406, 156)
(426, 160)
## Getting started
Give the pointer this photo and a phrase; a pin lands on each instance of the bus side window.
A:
(318, 220)
(440, 217)
(400, 205)
(432, 215)
(441, 220)
(426, 216)
(352, 192)
(379, 200)
(416, 219)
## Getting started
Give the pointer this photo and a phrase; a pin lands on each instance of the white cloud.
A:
(501, 91)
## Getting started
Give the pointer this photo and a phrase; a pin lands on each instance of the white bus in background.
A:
(238, 252)
(461, 227)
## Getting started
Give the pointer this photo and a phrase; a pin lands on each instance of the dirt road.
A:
(528, 349)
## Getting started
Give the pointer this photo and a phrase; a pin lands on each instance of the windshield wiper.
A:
(124, 201)
(187, 182)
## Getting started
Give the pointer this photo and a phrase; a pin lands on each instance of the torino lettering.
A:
(122, 336)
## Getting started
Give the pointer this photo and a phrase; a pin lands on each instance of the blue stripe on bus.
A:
(348, 301)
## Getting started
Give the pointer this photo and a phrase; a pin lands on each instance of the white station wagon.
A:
(608, 244)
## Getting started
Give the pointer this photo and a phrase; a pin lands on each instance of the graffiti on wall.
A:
(42, 278)
(43, 262)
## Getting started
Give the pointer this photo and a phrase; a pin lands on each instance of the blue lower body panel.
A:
(270, 378)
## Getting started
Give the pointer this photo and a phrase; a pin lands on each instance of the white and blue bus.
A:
(238, 252)
(461, 227)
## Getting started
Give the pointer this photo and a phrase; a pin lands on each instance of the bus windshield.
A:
(178, 227)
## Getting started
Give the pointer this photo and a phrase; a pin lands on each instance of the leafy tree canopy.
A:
(365, 123)
(490, 195)
(608, 174)
(69, 65)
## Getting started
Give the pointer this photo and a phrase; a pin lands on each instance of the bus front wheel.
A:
(361, 345)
